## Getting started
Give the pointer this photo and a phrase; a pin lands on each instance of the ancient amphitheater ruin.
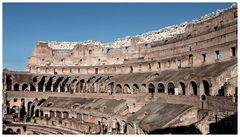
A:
(180, 79)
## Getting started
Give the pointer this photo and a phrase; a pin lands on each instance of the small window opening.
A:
(204, 57)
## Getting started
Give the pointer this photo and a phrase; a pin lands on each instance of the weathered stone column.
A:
(52, 87)
(44, 87)
(74, 89)
(66, 88)
(36, 87)
(59, 88)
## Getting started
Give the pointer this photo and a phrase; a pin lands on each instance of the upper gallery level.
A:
(211, 38)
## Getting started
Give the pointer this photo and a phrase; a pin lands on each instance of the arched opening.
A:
(81, 83)
(10, 131)
(56, 84)
(49, 84)
(143, 88)
(151, 88)
(58, 114)
(131, 69)
(13, 110)
(32, 110)
(171, 88)
(135, 88)
(28, 108)
(41, 84)
(65, 115)
(126, 88)
(51, 114)
(18, 131)
(32, 88)
(64, 85)
(16, 87)
(194, 88)
(161, 88)
(110, 88)
(221, 91)
(37, 113)
(182, 88)
(206, 87)
(118, 88)
(25, 87)
(9, 83)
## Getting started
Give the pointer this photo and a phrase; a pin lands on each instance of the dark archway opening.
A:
(24, 87)
(171, 88)
(151, 88)
(183, 88)
(118, 88)
(206, 87)
(161, 88)
(9, 82)
(221, 91)
(194, 88)
(16, 87)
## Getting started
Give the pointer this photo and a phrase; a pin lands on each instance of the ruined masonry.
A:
(181, 79)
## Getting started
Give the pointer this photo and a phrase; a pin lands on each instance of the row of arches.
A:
(180, 88)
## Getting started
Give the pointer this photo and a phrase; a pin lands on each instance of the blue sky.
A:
(26, 23)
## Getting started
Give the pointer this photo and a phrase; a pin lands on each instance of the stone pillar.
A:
(52, 87)
(122, 128)
(66, 88)
(20, 87)
(59, 88)
(44, 87)
(110, 128)
(36, 87)
(82, 118)
(74, 89)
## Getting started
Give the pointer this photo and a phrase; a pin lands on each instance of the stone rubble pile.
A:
(145, 38)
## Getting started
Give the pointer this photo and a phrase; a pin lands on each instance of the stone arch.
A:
(65, 115)
(49, 83)
(9, 82)
(161, 88)
(41, 84)
(126, 88)
(16, 87)
(118, 88)
(81, 84)
(58, 114)
(171, 88)
(143, 88)
(35, 79)
(110, 88)
(18, 131)
(151, 88)
(64, 84)
(32, 87)
(181, 88)
(51, 114)
(56, 84)
(13, 109)
(37, 113)
(25, 87)
(206, 87)
(193, 88)
(135, 88)
(10, 131)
